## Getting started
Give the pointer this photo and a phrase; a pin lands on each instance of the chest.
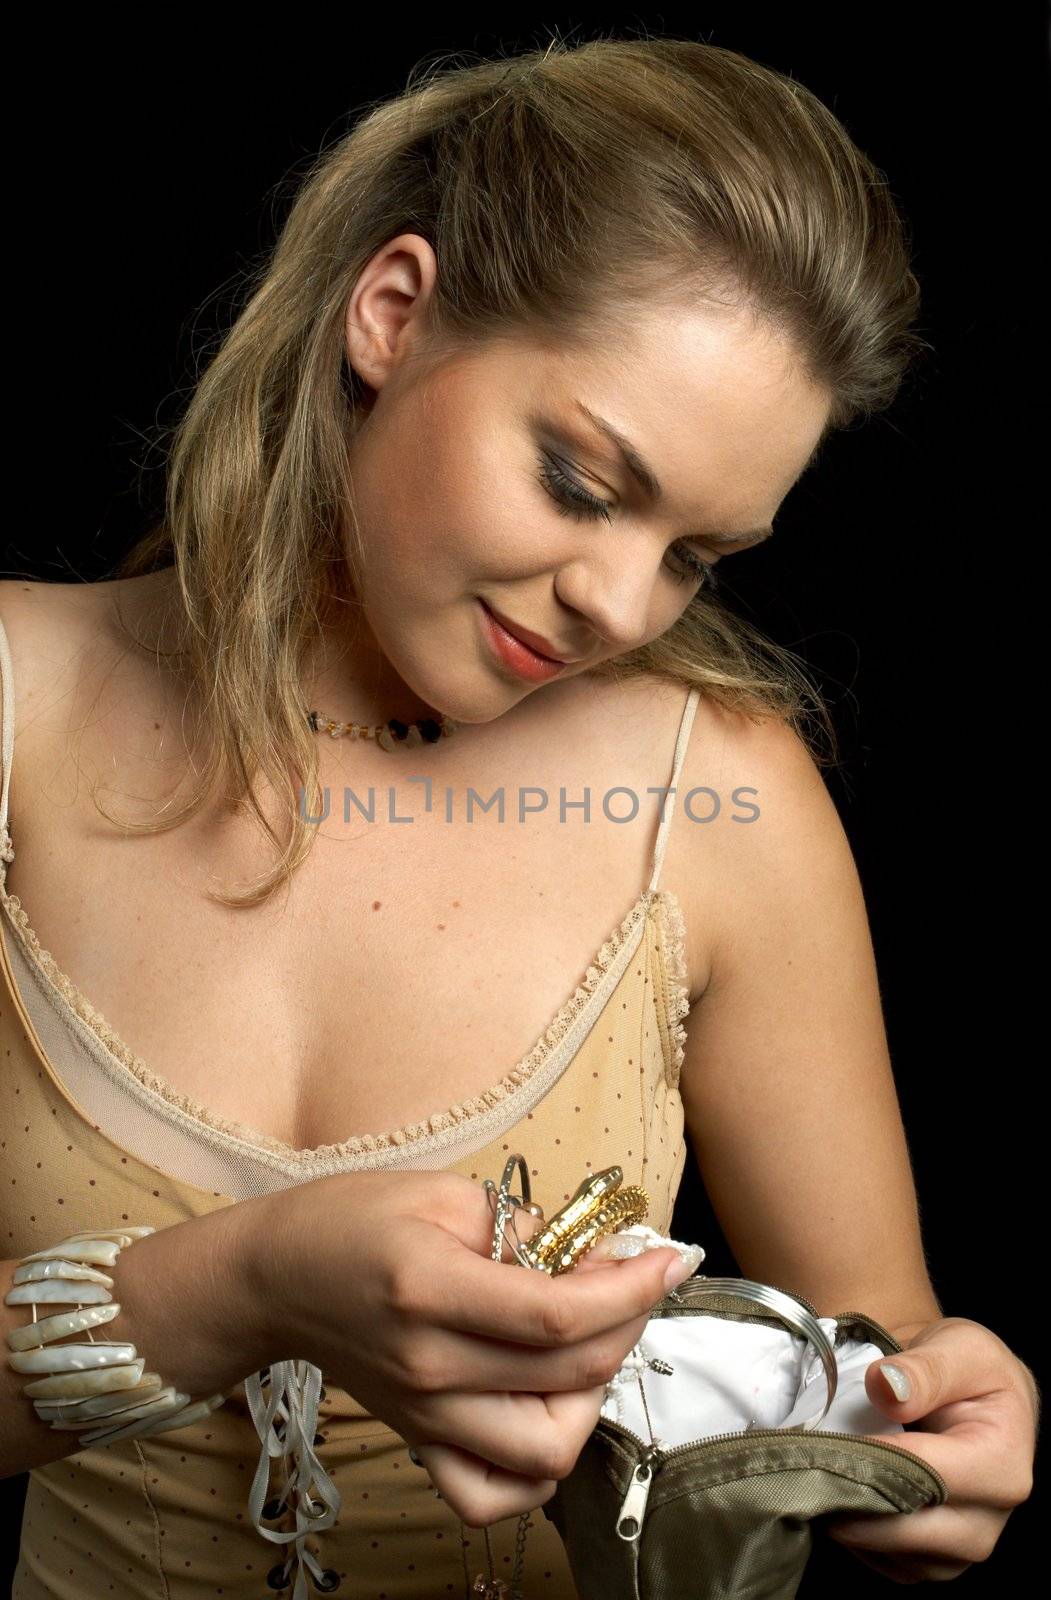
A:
(408, 966)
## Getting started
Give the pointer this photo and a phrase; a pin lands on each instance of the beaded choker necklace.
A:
(392, 735)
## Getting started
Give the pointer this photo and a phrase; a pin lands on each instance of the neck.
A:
(345, 675)
(348, 678)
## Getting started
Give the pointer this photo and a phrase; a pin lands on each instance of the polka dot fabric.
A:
(168, 1516)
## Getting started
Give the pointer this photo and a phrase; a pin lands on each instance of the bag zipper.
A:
(633, 1506)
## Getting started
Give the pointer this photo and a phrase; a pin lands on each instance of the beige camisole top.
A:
(91, 1137)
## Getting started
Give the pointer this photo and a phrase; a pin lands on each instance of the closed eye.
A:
(572, 499)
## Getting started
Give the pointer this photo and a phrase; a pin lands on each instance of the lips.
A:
(533, 641)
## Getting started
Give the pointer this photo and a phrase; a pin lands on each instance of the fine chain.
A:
(598, 1207)
(495, 1588)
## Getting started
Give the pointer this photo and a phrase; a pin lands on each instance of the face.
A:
(489, 489)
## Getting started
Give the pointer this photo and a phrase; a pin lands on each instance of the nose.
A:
(614, 591)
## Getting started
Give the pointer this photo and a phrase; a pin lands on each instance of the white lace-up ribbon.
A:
(295, 1389)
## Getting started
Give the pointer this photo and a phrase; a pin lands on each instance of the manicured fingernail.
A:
(678, 1271)
(414, 1458)
(898, 1380)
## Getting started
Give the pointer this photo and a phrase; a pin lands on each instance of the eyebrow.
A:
(649, 483)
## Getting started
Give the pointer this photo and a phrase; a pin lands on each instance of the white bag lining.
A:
(729, 1376)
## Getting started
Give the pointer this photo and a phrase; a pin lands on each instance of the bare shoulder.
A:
(48, 626)
(752, 806)
(64, 649)
(636, 717)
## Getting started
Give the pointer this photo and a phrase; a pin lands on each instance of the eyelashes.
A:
(572, 499)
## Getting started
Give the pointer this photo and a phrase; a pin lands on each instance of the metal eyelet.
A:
(278, 1578)
(329, 1580)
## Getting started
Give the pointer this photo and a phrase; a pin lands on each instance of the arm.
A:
(787, 1086)
(790, 1103)
(191, 1301)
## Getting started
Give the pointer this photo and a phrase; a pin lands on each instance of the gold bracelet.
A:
(100, 1381)
(599, 1206)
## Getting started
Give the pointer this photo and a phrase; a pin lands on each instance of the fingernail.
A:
(898, 1380)
(414, 1458)
(678, 1271)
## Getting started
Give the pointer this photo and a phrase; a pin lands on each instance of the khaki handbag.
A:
(706, 1487)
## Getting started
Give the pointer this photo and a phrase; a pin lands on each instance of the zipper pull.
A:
(633, 1507)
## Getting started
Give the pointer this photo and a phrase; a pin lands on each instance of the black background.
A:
(152, 167)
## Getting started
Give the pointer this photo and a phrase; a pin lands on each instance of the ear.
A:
(388, 310)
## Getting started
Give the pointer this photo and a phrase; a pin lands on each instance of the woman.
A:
(541, 343)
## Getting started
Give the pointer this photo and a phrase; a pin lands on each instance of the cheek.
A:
(408, 530)
(468, 528)
(498, 521)
(667, 605)
(449, 504)
(433, 549)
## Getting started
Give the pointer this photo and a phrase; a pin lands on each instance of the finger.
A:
(884, 1565)
(977, 1459)
(476, 1491)
(531, 1435)
(953, 1360)
(481, 1365)
(466, 1213)
(931, 1537)
(596, 1259)
(457, 1289)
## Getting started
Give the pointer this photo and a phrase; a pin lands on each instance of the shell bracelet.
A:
(79, 1380)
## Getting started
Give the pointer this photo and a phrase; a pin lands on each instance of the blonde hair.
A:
(556, 187)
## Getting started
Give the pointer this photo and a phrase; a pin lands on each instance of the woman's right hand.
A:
(496, 1373)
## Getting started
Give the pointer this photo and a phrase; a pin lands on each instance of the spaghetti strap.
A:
(7, 682)
(685, 727)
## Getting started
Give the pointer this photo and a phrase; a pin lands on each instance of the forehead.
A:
(715, 398)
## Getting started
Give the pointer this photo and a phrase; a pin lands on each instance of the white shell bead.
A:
(193, 1413)
(73, 1357)
(125, 1235)
(101, 1380)
(99, 1405)
(99, 1252)
(36, 1270)
(83, 1294)
(48, 1329)
(163, 1401)
(169, 1400)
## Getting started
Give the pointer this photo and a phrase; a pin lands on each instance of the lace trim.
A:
(674, 936)
(461, 1112)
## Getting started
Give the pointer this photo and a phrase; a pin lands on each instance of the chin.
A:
(478, 705)
(467, 695)
(470, 691)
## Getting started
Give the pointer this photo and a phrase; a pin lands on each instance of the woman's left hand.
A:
(978, 1407)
